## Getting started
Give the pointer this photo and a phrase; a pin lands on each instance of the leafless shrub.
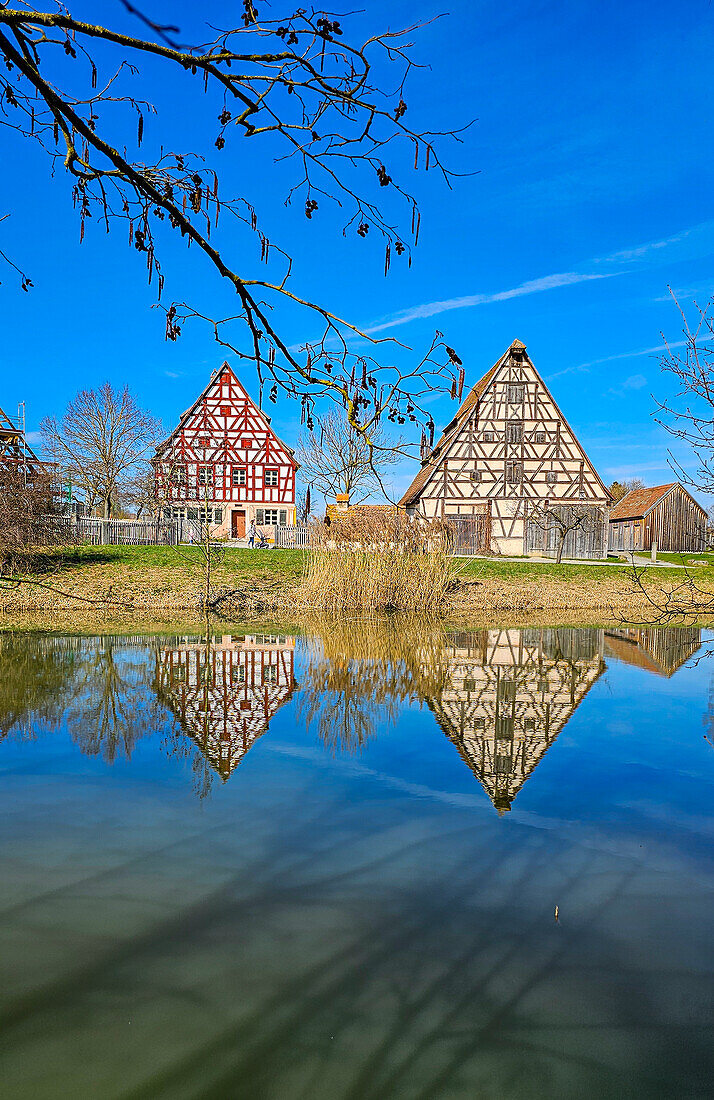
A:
(29, 520)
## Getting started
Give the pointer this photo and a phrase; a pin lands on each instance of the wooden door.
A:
(238, 523)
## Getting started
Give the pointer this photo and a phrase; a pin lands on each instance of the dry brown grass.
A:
(378, 562)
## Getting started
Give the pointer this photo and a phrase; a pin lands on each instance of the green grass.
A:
(287, 565)
(236, 561)
(483, 568)
(679, 558)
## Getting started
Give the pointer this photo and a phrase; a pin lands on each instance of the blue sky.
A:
(588, 192)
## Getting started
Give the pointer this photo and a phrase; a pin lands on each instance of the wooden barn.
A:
(666, 516)
(509, 468)
(225, 465)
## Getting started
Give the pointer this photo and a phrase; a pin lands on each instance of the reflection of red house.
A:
(225, 693)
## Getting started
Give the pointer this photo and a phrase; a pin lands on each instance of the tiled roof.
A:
(452, 429)
(637, 503)
(357, 510)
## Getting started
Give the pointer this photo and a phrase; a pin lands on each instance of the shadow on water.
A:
(341, 913)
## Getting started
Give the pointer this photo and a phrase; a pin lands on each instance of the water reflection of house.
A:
(661, 650)
(225, 693)
(508, 696)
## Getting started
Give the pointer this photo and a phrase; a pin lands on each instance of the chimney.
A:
(342, 502)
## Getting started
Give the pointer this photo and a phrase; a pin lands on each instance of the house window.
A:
(476, 475)
(271, 517)
(514, 431)
(270, 674)
(270, 476)
(503, 765)
(205, 475)
(488, 437)
(582, 494)
(516, 393)
(551, 477)
(514, 472)
(246, 443)
(225, 410)
(540, 437)
(469, 684)
(238, 475)
(178, 476)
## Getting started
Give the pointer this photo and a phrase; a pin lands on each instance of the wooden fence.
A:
(291, 537)
(132, 532)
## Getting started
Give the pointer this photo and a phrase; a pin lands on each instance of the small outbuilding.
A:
(665, 516)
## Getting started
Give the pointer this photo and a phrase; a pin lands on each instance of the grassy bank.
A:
(150, 578)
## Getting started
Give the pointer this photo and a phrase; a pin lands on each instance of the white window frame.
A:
(269, 473)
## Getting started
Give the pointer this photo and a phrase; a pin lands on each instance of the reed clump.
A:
(378, 560)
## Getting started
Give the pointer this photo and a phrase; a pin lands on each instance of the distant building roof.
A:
(352, 511)
(639, 502)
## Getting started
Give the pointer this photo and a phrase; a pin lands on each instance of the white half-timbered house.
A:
(507, 462)
(224, 464)
(508, 694)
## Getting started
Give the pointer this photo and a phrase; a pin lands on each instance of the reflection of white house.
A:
(225, 693)
(509, 694)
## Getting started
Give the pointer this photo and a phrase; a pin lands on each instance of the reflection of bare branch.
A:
(361, 673)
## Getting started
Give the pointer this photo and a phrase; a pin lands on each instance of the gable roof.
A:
(639, 502)
(453, 428)
(212, 382)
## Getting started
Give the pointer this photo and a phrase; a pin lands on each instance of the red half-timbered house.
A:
(225, 465)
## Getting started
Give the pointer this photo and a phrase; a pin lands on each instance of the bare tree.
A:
(305, 90)
(102, 438)
(619, 489)
(689, 415)
(557, 521)
(337, 458)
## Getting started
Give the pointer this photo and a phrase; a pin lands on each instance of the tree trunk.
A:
(561, 546)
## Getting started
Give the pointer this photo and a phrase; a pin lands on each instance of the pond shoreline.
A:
(129, 581)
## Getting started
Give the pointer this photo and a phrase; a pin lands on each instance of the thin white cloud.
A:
(626, 255)
(533, 286)
(625, 258)
(658, 349)
(568, 370)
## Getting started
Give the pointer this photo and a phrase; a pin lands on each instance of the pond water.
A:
(372, 861)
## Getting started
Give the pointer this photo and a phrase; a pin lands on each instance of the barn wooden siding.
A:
(675, 523)
(586, 541)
